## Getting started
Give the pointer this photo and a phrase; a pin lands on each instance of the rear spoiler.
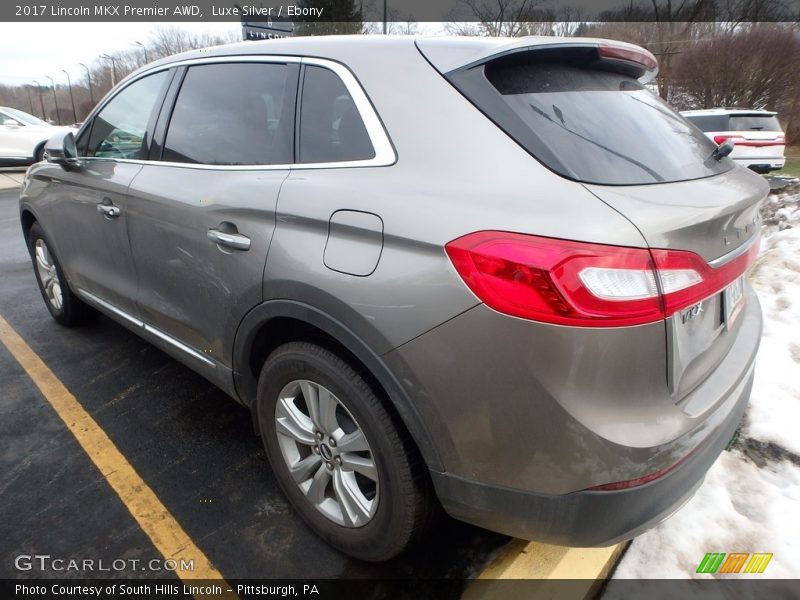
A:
(448, 55)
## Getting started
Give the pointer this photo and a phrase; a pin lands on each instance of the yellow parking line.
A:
(585, 568)
(152, 516)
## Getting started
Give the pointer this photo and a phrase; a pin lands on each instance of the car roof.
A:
(728, 111)
(450, 51)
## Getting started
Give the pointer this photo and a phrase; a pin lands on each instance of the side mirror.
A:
(11, 123)
(60, 149)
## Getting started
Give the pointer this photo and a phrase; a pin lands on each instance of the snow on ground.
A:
(750, 501)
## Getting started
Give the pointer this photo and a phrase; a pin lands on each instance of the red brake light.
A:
(583, 284)
(633, 54)
(712, 280)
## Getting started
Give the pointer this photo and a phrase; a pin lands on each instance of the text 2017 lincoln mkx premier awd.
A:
(497, 276)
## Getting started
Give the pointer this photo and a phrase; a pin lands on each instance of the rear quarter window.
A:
(588, 124)
(331, 128)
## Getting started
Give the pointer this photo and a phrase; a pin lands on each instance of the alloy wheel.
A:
(327, 453)
(45, 266)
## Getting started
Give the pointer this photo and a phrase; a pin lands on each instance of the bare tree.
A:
(343, 17)
(493, 17)
(163, 41)
(166, 41)
(751, 67)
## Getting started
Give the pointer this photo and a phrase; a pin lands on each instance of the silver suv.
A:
(497, 276)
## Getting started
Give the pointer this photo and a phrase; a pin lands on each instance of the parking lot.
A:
(190, 443)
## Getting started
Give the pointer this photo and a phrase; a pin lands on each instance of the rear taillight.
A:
(721, 139)
(581, 284)
(738, 140)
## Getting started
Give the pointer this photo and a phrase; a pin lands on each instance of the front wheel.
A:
(342, 459)
(64, 306)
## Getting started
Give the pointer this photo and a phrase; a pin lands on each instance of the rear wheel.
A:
(38, 155)
(64, 306)
(347, 466)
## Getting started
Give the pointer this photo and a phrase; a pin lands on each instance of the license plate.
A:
(733, 301)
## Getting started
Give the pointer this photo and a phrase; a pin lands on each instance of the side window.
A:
(120, 129)
(6, 117)
(233, 114)
(331, 129)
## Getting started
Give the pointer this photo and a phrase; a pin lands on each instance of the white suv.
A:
(22, 136)
(757, 135)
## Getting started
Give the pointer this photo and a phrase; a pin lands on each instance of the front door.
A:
(92, 202)
(201, 218)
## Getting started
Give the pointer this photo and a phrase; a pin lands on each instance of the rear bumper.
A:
(588, 518)
(526, 427)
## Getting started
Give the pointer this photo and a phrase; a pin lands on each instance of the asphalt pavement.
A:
(192, 444)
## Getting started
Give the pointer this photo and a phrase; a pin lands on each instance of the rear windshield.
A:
(587, 124)
(754, 123)
(709, 122)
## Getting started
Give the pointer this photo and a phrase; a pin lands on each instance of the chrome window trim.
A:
(384, 150)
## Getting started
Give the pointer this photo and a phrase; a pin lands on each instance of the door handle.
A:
(108, 210)
(237, 241)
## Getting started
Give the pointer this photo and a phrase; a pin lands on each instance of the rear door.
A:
(202, 210)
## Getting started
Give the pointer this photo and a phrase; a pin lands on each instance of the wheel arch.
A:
(36, 149)
(27, 219)
(274, 322)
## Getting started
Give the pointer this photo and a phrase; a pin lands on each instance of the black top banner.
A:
(467, 11)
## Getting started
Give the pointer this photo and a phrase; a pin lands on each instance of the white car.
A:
(22, 136)
(759, 141)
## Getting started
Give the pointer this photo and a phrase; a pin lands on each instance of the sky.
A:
(33, 50)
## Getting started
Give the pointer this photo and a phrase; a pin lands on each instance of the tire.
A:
(64, 306)
(401, 502)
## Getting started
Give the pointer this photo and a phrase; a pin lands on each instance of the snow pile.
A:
(750, 501)
(780, 210)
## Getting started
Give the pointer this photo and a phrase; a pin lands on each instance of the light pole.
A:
(385, 18)
(55, 99)
(30, 99)
(41, 101)
(89, 79)
(113, 68)
(144, 48)
(71, 96)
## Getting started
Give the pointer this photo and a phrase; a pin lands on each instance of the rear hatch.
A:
(756, 135)
(581, 107)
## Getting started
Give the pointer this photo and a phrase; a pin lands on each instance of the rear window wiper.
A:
(722, 150)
